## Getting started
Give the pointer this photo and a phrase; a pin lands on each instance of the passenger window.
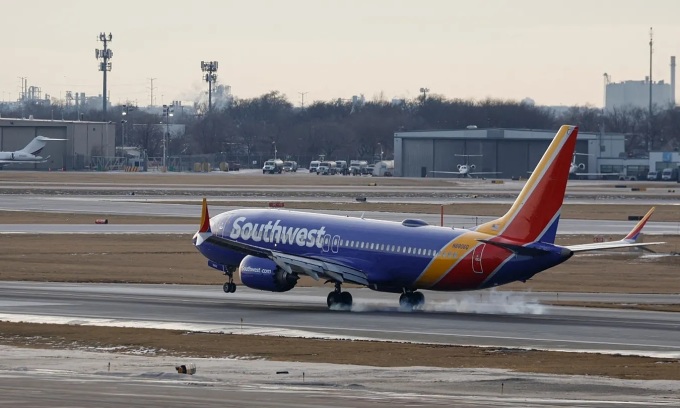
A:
(382, 247)
(362, 245)
(392, 248)
(399, 248)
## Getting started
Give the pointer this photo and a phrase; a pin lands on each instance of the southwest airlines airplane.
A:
(28, 154)
(272, 248)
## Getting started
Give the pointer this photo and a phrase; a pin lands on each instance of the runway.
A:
(125, 206)
(480, 319)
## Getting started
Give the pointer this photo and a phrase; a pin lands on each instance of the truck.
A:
(357, 167)
(326, 168)
(384, 168)
(272, 166)
(341, 167)
(313, 165)
(669, 174)
(290, 166)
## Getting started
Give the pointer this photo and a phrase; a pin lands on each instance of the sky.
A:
(554, 52)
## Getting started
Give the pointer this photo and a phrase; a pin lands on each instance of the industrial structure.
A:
(512, 153)
(637, 93)
(87, 144)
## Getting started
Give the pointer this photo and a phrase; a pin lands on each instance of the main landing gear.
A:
(338, 298)
(229, 286)
(411, 300)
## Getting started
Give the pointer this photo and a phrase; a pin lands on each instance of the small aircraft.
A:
(575, 167)
(272, 248)
(465, 170)
(28, 154)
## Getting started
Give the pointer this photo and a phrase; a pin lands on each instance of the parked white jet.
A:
(29, 154)
(466, 170)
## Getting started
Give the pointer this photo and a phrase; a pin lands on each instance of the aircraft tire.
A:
(226, 287)
(411, 300)
(346, 299)
(232, 287)
(333, 298)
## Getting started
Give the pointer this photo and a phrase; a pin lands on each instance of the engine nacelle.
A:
(459, 166)
(581, 166)
(472, 167)
(263, 274)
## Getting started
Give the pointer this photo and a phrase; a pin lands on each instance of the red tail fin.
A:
(535, 212)
(205, 218)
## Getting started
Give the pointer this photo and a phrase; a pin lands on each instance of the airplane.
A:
(465, 170)
(575, 167)
(272, 248)
(28, 154)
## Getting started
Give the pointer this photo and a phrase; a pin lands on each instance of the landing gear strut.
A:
(339, 298)
(229, 286)
(411, 300)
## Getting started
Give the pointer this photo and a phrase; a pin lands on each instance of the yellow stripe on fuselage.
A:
(496, 226)
(448, 257)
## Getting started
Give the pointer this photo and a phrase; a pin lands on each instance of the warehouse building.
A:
(512, 153)
(86, 146)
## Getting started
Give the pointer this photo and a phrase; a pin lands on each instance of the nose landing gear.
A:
(229, 286)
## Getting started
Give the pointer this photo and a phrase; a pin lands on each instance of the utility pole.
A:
(210, 76)
(302, 103)
(651, 43)
(105, 55)
(151, 88)
(168, 111)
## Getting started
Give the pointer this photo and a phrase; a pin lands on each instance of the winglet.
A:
(635, 232)
(205, 218)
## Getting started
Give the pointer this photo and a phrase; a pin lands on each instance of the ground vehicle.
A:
(368, 169)
(313, 165)
(290, 166)
(669, 174)
(272, 166)
(653, 176)
(341, 167)
(326, 167)
(384, 168)
(357, 167)
(234, 166)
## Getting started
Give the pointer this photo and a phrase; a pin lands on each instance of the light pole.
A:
(167, 111)
(424, 91)
(381, 151)
(123, 124)
(274, 143)
(209, 67)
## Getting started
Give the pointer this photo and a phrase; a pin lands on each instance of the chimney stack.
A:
(673, 80)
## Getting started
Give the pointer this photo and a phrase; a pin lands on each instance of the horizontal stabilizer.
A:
(517, 249)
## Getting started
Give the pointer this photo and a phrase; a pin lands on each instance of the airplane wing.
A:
(5, 162)
(445, 172)
(597, 174)
(628, 242)
(313, 267)
(484, 172)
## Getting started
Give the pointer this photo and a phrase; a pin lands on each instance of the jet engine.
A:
(472, 167)
(581, 166)
(264, 274)
(459, 166)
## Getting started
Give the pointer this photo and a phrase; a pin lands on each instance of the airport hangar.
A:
(85, 142)
(513, 153)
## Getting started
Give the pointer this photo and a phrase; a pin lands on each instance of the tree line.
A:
(253, 129)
